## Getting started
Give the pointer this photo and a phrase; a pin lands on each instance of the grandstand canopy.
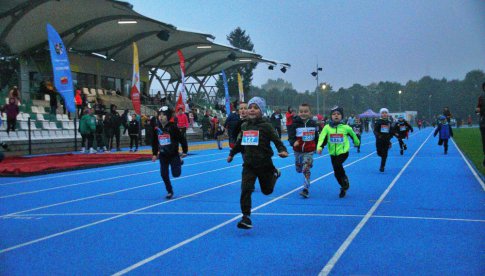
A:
(103, 27)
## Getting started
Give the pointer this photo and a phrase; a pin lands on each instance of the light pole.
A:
(315, 74)
(400, 100)
(324, 86)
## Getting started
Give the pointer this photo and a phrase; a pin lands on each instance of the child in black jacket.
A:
(401, 129)
(133, 130)
(165, 146)
(383, 132)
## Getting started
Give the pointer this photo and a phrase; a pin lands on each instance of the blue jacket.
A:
(444, 130)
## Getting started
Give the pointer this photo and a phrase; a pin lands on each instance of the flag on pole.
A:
(240, 86)
(61, 68)
(226, 89)
(135, 85)
(182, 92)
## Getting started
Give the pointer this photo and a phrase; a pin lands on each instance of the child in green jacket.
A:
(335, 135)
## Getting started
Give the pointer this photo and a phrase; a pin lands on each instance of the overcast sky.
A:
(354, 41)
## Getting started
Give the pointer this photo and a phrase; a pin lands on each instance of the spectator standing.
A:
(133, 131)
(108, 130)
(87, 128)
(182, 122)
(15, 93)
(447, 114)
(231, 124)
(206, 124)
(12, 110)
(116, 119)
(124, 121)
(276, 121)
(480, 110)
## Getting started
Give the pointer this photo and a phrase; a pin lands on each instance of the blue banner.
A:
(226, 88)
(61, 68)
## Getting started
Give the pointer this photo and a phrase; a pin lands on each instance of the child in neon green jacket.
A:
(335, 134)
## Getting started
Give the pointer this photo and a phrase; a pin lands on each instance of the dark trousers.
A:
(134, 138)
(267, 181)
(90, 138)
(443, 142)
(401, 143)
(360, 140)
(11, 124)
(382, 147)
(175, 165)
(482, 131)
(116, 134)
(99, 140)
(338, 168)
(278, 130)
(125, 126)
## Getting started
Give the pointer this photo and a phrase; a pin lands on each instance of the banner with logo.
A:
(240, 86)
(226, 89)
(61, 68)
(135, 83)
(182, 74)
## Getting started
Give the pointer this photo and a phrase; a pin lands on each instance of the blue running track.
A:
(424, 215)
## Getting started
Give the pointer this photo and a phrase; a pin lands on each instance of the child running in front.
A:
(401, 129)
(383, 132)
(335, 135)
(165, 146)
(304, 139)
(255, 138)
(445, 131)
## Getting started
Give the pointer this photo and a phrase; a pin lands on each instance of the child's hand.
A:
(183, 155)
(319, 151)
(283, 154)
(229, 159)
(154, 158)
(296, 143)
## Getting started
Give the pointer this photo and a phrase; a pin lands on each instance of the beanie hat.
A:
(441, 117)
(383, 110)
(337, 109)
(167, 111)
(260, 102)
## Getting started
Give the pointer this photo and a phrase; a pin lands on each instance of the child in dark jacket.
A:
(445, 131)
(401, 129)
(383, 132)
(165, 146)
(255, 137)
(304, 138)
(12, 110)
(133, 130)
(358, 128)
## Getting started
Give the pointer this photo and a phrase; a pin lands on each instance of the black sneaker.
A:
(358, 150)
(381, 169)
(342, 193)
(405, 147)
(169, 196)
(402, 152)
(245, 223)
(446, 152)
(304, 193)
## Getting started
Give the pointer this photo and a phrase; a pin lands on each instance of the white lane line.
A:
(233, 214)
(174, 247)
(109, 219)
(115, 217)
(477, 177)
(115, 192)
(93, 170)
(331, 263)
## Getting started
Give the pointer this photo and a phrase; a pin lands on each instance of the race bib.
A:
(306, 133)
(164, 139)
(250, 138)
(384, 128)
(402, 128)
(336, 138)
(357, 130)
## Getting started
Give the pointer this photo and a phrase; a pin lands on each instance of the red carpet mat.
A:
(27, 166)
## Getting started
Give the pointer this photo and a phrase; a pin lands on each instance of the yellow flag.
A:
(240, 85)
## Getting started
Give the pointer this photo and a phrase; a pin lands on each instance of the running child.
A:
(335, 135)
(255, 138)
(445, 131)
(400, 130)
(165, 147)
(383, 132)
(304, 138)
(357, 127)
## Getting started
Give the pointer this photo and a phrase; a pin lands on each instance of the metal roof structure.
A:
(109, 28)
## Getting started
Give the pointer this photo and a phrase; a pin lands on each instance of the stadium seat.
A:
(22, 135)
(34, 109)
(12, 136)
(37, 135)
(41, 109)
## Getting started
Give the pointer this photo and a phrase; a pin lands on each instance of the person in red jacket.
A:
(182, 122)
(12, 110)
(304, 137)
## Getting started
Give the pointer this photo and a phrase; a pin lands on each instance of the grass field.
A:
(470, 142)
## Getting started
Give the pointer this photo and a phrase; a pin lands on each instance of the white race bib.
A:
(250, 138)
(336, 138)
(357, 130)
(384, 128)
(164, 139)
(402, 128)
(306, 133)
